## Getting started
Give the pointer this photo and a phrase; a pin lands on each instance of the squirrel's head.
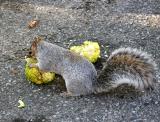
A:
(33, 49)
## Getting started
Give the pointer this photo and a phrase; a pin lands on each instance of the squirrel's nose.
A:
(29, 55)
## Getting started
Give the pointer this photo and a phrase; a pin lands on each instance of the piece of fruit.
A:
(90, 50)
(35, 75)
(21, 104)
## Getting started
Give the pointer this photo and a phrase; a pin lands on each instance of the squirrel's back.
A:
(127, 66)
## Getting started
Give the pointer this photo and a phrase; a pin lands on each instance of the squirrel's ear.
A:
(34, 44)
(33, 48)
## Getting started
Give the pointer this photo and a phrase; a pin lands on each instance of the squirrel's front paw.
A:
(33, 65)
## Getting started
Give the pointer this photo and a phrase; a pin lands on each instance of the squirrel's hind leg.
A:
(78, 87)
(66, 94)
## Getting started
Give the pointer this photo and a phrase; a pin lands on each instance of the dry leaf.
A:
(33, 24)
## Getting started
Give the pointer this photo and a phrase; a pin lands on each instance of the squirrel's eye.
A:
(30, 52)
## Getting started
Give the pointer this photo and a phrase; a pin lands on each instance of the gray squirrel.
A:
(124, 66)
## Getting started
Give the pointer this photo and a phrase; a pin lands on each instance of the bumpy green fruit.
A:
(90, 50)
(35, 75)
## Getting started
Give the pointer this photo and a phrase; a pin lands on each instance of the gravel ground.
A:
(121, 23)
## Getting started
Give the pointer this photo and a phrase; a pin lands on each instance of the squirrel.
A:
(123, 66)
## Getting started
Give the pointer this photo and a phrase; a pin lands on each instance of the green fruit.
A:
(35, 75)
(47, 77)
(90, 50)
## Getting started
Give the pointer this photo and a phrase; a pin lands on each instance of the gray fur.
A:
(114, 74)
(135, 52)
(81, 76)
(78, 73)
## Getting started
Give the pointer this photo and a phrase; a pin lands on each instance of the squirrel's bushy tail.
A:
(127, 66)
